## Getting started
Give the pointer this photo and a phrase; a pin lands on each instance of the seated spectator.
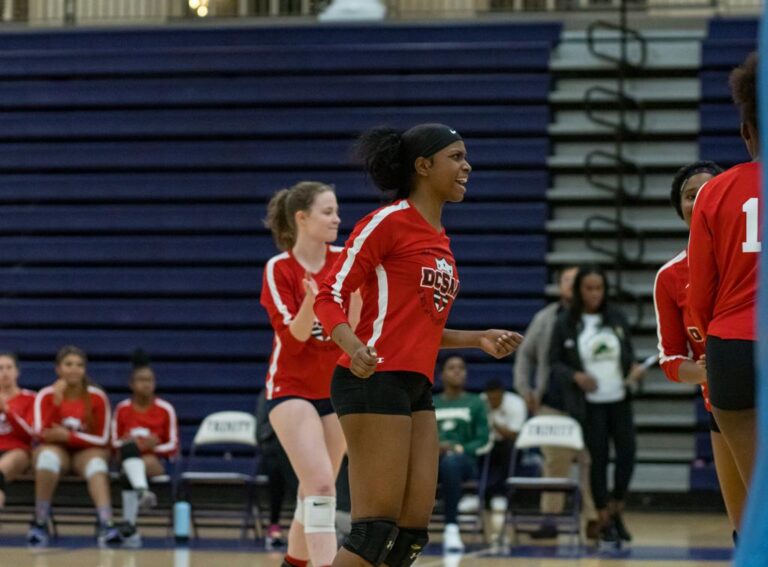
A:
(15, 419)
(507, 413)
(277, 467)
(71, 420)
(593, 366)
(462, 424)
(532, 381)
(145, 433)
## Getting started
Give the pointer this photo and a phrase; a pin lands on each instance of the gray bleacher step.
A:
(662, 53)
(652, 183)
(664, 413)
(667, 122)
(659, 477)
(649, 154)
(586, 256)
(670, 447)
(670, 90)
(647, 225)
(594, 195)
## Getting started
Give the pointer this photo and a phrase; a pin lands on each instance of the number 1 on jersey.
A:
(752, 209)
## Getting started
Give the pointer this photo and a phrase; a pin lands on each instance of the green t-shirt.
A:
(463, 421)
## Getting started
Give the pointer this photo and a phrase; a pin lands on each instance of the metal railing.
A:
(116, 12)
(624, 129)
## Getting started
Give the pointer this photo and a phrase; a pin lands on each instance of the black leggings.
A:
(282, 479)
(605, 422)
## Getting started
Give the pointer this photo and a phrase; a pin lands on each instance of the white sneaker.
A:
(452, 539)
(469, 504)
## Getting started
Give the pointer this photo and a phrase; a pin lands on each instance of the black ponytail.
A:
(381, 152)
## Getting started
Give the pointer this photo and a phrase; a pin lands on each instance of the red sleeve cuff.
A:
(671, 368)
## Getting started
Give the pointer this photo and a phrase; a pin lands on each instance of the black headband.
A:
(712, 170)
(426, 140)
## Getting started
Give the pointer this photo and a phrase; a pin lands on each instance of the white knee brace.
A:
(298, 513)
(95, 466)
(319, 514)
(48, 460)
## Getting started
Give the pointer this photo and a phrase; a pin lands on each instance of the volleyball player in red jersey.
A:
(676, 345)
(145, 433)
(400, 258)
(15, 422)
(303, 220)
(723, 254)
(71, 419)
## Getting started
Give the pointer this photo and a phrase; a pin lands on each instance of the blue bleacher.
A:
(219, 92)
(727, 44)
(137, 164)
(177, 187)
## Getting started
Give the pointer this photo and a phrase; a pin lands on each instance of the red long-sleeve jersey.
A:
(723, 254)
(158, 420)
(408, 280)
(673, 320)
(296, 368)
(15, 422)
(71, 414)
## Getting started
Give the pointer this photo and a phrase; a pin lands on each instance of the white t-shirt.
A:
(511, 414)
(600, 353)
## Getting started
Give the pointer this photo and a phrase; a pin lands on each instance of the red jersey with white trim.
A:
(71, 414)
(673, 320)
(296, 368)
(408, 280)
(159, 419)
(723, 253)
(16, 422)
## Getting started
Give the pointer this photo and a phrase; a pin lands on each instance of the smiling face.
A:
(321, 222)
(447, 172)
(71, 369)
(688, 194)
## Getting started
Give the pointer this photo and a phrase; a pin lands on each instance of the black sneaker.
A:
(609, 537)
(38, 535)
(621, 528)
(130, 535)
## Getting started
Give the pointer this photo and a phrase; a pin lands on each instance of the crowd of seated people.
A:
(68, 428)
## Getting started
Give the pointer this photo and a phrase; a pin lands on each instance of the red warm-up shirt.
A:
(71, 414)
(158, 420)
(15, 422)
(408, 280)
(723, 254)
(296, 368)
(673, 320)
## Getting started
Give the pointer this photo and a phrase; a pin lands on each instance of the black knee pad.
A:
(371, 539)
(129, 450)
(408, 546)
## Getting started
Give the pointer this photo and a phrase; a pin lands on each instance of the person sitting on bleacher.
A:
(145, 433)
(71, 420)
(507, 413)
(462, 425)
(15, 418)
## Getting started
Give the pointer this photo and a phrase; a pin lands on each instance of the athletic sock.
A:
(42, 511)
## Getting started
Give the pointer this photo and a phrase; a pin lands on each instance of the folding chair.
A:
(224, 453)
(538, 432)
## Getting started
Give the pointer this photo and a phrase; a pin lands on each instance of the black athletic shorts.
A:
(323, 405)
(713, 424)
(731, 373)
(390, 393)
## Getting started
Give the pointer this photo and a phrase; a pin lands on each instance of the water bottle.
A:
(182, 513)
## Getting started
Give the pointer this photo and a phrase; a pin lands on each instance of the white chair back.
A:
(222, 427)
(551, 431)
